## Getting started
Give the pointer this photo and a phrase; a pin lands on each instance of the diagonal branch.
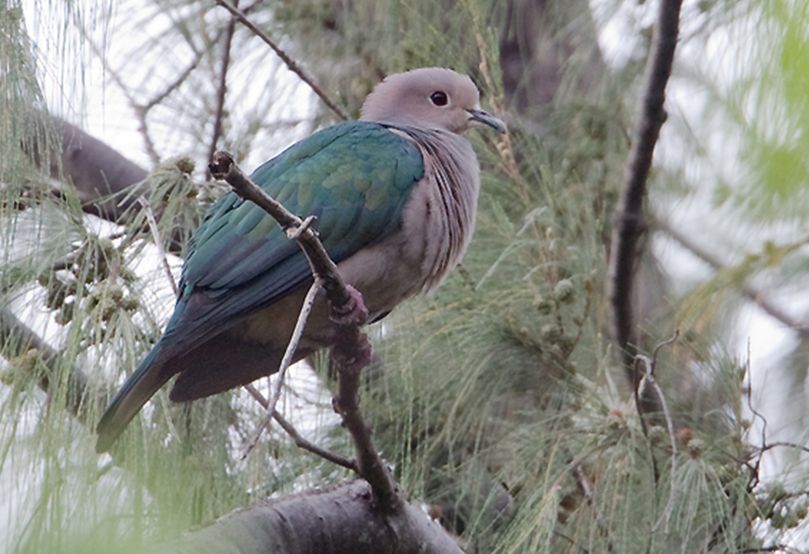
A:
(288, 61)
(628, 222)
(161, 252)
(299, 440)
(754, 295)
(351, 350)
(18, 339)
(297, 333)
(139, 109)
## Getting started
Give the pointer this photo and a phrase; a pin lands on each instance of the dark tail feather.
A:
(137, 390)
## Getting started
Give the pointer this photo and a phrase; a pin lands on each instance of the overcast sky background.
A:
(101, 108)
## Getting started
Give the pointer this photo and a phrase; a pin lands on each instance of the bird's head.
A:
(428, 98)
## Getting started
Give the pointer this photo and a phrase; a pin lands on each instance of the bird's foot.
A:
(352, 311)
(352, 353)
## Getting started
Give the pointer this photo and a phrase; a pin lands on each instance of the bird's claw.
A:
(353, 311)
(353, 355)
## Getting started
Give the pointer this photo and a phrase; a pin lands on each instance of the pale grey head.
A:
(428, 98)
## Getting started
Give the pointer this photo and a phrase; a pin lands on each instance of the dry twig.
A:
(588, 490)
(288, 61)
(140, 112)
(292, 346)
(222, 87)
(351, 350)
(161, 252)
(648, 380)
(754, 295)
(299, 440)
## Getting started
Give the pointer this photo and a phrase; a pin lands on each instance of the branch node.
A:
(221, 163)
(351, 350)
(352, 311)
(296, 232)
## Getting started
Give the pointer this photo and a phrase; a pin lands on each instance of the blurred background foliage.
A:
(498, 400)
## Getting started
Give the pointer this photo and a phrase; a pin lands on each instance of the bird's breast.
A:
(437, 225)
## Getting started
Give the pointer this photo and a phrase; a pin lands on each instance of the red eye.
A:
(439, 98)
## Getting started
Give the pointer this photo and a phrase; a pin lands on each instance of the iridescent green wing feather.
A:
(355, 177)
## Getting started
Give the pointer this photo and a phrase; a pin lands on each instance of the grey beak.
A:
(485, 118)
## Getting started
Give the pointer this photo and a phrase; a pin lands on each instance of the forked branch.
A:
(291, 64)
(351, 351)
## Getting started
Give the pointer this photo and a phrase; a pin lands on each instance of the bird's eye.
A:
(439, 98)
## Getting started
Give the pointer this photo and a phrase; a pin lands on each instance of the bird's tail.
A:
(138, 389)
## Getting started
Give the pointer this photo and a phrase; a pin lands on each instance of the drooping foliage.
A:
(498, 400)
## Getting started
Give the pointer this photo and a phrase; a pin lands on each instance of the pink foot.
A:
(352, 312)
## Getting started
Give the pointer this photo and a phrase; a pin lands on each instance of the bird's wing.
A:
(355, 177)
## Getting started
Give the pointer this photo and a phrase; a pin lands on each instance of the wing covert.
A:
(355, 177)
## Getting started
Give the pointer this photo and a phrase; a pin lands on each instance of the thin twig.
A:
(171, 87)
(650, 379)
(657, 349)
(292, 346)
(139, 109)
(628, 222)
(755, 469)
(288, 61)
(161, 252)
(222, 87)
(784, 444)
(298, 439)
(756, 296)
(755, 476)
(223, 167)
(773, 548)
(647, 380)
(587, 488)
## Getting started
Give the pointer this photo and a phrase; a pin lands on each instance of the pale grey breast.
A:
(440, 219)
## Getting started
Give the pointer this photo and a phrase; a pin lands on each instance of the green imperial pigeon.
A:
(394, 194)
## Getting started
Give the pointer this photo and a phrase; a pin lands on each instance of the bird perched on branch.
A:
(394, 194)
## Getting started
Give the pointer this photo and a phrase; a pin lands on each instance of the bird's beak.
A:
(487, 119)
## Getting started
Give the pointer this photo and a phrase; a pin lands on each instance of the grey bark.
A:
(342, 520)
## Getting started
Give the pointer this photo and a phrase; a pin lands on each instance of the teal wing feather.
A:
(355, 177)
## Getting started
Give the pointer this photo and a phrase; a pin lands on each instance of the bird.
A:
(394, 195)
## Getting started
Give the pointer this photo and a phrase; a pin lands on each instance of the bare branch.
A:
(755, 476)
(299, 440)
(628, 223)
(222, 88)
(292, 346)
(351, 351)
(589, 493)
(223, 167)
(646, 403)
(172, 86)
(784, 444)
(288, 61)
(773, 548)
(341, 520)
(139, 109)
(18, 340)
(657, 349)
(161, 252)
(650, 379)
(754, 295)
